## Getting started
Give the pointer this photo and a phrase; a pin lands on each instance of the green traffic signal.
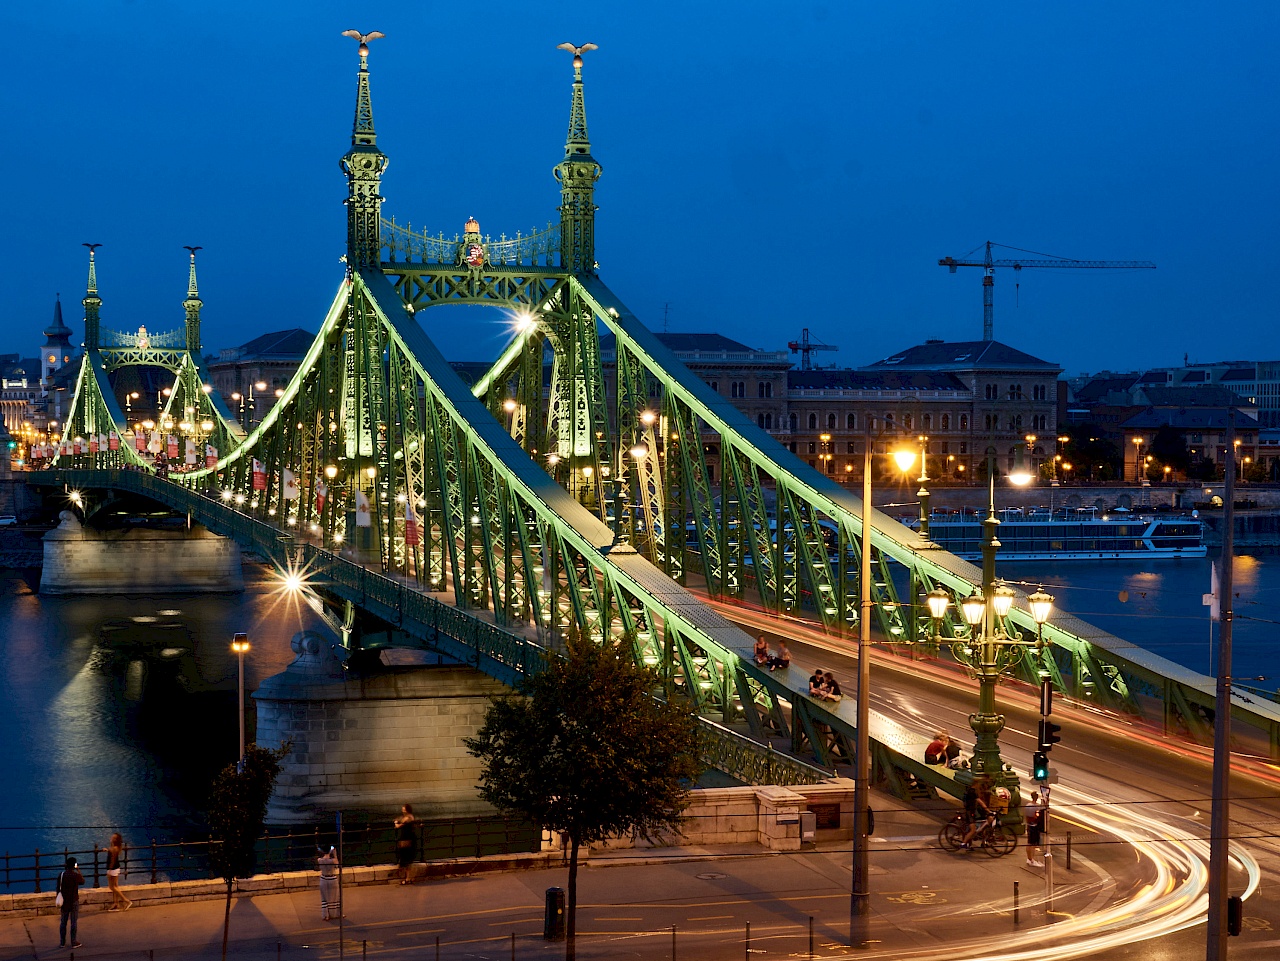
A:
(1040, 766)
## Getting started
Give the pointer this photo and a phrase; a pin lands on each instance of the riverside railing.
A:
(290, 850)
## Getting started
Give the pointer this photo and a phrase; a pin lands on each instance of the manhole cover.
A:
(710, 876)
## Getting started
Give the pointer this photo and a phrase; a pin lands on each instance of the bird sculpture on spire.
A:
(577, 51)
(364, 39)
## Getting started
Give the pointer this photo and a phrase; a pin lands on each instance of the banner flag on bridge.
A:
(93, 443)
(363, 517)
(210, 456)
(139, 441)
(113, 441)
(410, 525)
(102, 442)
(322, 494)
(290, 485)
(259, 476)
(190, 451)
(171, 447)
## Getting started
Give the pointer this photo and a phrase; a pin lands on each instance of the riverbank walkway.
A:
(633, 903)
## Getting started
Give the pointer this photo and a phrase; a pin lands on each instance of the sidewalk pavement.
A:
(629, 900)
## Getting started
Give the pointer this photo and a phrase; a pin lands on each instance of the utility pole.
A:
(1219, 820)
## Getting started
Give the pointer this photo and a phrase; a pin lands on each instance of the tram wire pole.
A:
(1219, 820)
(860, 898)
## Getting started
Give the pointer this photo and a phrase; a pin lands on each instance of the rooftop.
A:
(836, 379)
(962, 355)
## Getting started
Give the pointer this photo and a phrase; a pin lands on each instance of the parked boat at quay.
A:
(1071, 533)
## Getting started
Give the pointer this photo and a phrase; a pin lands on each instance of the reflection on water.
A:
(119, 710)
(1159, 607)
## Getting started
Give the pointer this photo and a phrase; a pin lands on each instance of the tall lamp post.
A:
(990, 649)
(240, 644)
(923, 493)
(860, 897)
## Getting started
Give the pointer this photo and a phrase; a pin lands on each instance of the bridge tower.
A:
(57, 347)
(92, 303)
(192, 305)
(577, 174)
(364, 164)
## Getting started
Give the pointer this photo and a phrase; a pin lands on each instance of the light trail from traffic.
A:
(1176, 899)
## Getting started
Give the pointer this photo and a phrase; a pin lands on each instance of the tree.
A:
(237, 810)
(590, 752)
(1169, 446)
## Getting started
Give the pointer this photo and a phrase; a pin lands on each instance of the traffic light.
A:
(1235, 915)
(1046, 697)
(1049, 734)
(1040, 766)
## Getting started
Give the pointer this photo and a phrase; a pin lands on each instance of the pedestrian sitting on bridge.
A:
(762, 651)
(936, 751)
(815, 684)
(781, 659)
(831, 687)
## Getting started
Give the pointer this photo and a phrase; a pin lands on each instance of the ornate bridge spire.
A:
(578, 173)
(193, 303)
(363, 165)
(92, 303)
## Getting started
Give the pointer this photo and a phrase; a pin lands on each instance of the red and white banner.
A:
(410, 525)
(113, 441)
(75, 447)
(93, 443)
(210, 455)
(171, 447)
(364, 518)
(289, 486)
(140, 441)
(322, 494)
(259, 476)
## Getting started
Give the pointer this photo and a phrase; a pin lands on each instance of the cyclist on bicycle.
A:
(977, 808)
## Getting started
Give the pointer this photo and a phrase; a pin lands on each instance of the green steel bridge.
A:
(488, 522)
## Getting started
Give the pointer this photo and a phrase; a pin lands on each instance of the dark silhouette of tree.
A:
(1169, 446)
(1095, 458)
(237, 810)
(590, 752)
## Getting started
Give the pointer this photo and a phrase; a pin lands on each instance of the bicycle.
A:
(994, 837)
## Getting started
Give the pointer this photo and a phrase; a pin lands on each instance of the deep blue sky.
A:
(767, 166)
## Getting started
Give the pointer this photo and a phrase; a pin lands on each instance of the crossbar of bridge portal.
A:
(465, 636)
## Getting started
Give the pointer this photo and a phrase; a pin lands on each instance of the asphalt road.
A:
(1130, 769)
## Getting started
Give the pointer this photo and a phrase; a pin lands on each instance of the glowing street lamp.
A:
(240, 645)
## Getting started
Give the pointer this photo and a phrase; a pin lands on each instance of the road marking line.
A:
(711, 917)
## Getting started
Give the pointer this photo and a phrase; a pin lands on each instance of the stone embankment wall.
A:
(372, 742)
(79, 560)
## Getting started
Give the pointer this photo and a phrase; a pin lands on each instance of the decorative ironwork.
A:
(538, 249)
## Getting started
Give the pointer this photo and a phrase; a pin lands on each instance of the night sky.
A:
(767, 166)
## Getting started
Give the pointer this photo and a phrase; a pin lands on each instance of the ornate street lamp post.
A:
(923, 493)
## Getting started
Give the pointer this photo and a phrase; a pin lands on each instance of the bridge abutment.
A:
(374, 742)
(80, 560)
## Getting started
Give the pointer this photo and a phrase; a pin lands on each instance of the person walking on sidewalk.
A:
(115, 850)
(68, 886)
(1035, 830)
(406, 841)
(330, 896)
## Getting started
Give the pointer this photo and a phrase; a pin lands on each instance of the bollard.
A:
(1015, 902)
(747, 953)
(811, 935)
(1068, 864)
(364, 949)
(513, 946)
(277, 951)
(673, 942)
(437, 947)
(151, 954)
(1048, 882)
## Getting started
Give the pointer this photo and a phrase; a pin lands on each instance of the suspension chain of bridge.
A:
(490, 522)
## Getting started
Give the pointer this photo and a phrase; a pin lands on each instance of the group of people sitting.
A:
(943, 750)
(824, 686)
(766, 658)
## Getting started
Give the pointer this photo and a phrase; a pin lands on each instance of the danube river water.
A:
(118, 711)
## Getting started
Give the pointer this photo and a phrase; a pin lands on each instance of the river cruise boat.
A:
(1070, 534)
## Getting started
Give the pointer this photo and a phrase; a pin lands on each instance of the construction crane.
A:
(805, 346)
(988, 264)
